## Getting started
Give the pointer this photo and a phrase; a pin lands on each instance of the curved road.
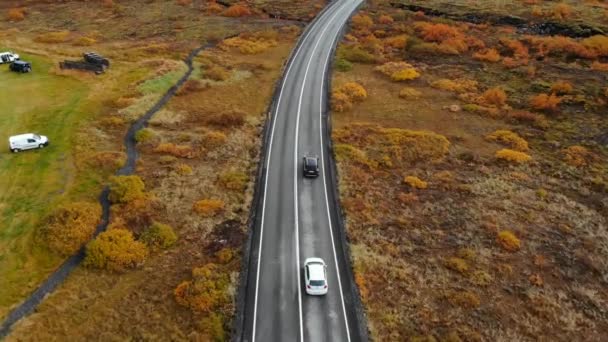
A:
(296, 216)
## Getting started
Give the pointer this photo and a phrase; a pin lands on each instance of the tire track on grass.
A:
(58, 276)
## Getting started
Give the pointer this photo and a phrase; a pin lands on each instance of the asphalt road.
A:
(296, 216)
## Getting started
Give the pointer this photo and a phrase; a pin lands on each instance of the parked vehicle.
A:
(27, 141)
(21, 66)
(315, 276)
(311, 166)
(8, 57)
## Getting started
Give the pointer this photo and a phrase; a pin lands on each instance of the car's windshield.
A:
(37, 136)
(317, 282)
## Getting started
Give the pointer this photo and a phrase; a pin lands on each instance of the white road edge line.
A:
(276, 113)
(333, 245)
(297, 157)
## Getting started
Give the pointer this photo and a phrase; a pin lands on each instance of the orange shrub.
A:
(562, 11)
(513, 156)
(385, 19)
(249, 45)
(362, 22)
(453, 46)
(560, 45)
(340, 102)
(507, 240)
(207, 291)
(525, 116)
(208, 207)
(70, 226)
(509, 138)
(545, 102)
(237, 10)
(494, 96)
(518, 49)
(398, 71)
(343, 97)
(488, 55)
(16, 14)
(561, 88)
(182, 151)
(599, 66)
(437, 32)
(396, 42)
(214, 7)
(415, 182)
(115, 250)
(214, 139)
(537, 11)
(598, 44)
(354, 91)
(108, 3)
(184, 2)
(578, 156)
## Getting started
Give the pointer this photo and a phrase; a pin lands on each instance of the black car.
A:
(311, 166)
(21, 66)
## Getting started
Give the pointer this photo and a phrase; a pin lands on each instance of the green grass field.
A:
(32, 182)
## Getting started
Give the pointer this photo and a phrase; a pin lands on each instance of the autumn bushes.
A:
(375, 146)
(252, 43)
(343, 97)
(72, 225)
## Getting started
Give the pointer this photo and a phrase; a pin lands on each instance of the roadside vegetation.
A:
(184, 211)
(473, 173)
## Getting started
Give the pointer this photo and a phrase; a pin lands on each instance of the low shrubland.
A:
(479, 181)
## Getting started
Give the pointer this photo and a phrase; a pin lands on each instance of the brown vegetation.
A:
(70, 226)
(115, 250)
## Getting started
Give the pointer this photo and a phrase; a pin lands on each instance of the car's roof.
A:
(21, 62)
(311, 160)
(316, 271)
(21, 136)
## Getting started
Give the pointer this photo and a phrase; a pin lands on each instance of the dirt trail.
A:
(57, 277)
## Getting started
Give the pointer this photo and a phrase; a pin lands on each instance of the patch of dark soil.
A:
(228, 234)
(523, 25)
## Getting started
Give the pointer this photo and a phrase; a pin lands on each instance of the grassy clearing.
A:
(33, 181)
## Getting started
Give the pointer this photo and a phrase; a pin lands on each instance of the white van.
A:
(8, 57)
(27, 141)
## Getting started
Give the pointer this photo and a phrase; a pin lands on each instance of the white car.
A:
(8, 57)
(27, 141)
(315, 276)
